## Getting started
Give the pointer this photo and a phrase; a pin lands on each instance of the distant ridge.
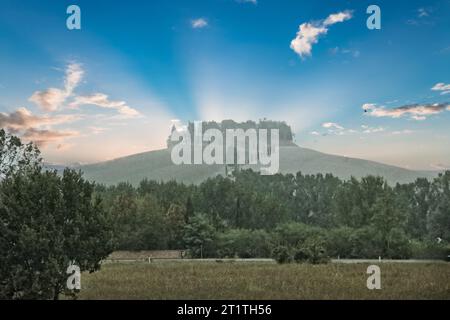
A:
(157, 165)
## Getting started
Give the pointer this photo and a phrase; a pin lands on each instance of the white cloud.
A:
(414, 111)
(52, 130)
(369, 130)
(337, 17)
(423, 17)
(36, 128)
(444, 88)
(309, 32)
(400, 132)
(43, 137)
(52, 98)
(331, 125)
(74, 74)
(199, 23)
(22, 119)
(423, 12)
(307, 35)
(102, 100)
(255, 2)
(49, 99)
(97, 130)
(418, 118)
(353, 52)
(336, 129)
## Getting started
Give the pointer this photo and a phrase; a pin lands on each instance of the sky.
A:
(114, 87)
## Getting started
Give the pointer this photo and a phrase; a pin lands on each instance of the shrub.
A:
(294, 234)
(429, 250)
(339, 242)
(244, 243)
(313, 250)
(282, 254)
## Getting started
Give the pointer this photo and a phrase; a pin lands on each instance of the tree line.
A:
(285, 132)
(249, 215)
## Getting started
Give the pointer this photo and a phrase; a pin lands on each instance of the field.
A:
(212, 280)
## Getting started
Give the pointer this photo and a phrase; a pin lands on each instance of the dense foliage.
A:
(16, 156)
(47, 222)
(291, 218)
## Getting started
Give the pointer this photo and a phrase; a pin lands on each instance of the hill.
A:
(157, 165)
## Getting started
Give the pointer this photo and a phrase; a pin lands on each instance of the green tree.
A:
(439, 218)
(48, 222)
(389, 221)
(295, 234)
(340, 244)
(175, 221)
(151, 233)
(122, 207)
(16, 156)
(199, 236)
(189, 209)
(416, 199)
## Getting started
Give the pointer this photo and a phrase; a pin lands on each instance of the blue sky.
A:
(136, 65)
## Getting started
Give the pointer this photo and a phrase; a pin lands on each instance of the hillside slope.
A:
(157, 165)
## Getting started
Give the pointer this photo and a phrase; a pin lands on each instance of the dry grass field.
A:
(192, 280)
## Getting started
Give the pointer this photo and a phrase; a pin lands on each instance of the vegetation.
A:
(285, 132)
(291, 218)
(47, 222)
(264, 281)
(16, 156)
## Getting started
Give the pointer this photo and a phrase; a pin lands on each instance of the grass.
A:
(264, 281)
